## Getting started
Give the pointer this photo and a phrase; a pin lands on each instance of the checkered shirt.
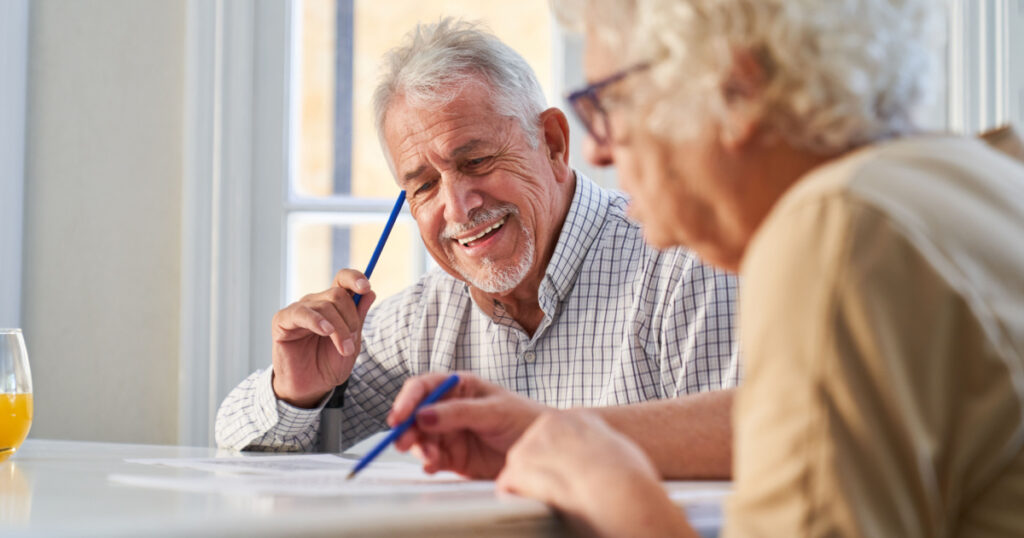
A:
(623, 323)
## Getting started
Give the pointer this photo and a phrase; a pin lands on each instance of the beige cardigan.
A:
(882, 325)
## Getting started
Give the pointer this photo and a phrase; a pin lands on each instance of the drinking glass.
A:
(15, 392)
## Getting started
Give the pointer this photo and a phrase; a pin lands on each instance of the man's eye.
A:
(478, 161)
(426, 186)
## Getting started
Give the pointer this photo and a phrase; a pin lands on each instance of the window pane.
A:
(315, 66)
(321, 244)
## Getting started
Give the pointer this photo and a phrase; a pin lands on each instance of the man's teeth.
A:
(495, 226)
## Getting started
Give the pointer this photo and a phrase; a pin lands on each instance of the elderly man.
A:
(547, 288)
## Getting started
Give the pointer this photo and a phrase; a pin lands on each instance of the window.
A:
(986, 79)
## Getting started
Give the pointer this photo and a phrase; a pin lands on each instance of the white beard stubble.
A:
(496, 278)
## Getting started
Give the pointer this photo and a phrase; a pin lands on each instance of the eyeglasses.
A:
(587, 104)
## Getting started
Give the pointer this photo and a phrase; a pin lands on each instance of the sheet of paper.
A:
(303, 485)
(259, 464)
(303, 475)
(710, 493)
(702, 501)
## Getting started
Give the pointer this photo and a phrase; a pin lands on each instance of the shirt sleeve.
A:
(845, 401)
(252, 418)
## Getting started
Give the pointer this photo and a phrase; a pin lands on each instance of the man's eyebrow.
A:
(409, 176)
(468, 147)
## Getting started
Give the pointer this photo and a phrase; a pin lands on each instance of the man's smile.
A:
(472, 240)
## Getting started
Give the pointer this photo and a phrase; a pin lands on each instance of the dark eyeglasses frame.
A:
(586, 103)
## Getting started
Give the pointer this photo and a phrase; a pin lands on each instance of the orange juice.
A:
(15, 420)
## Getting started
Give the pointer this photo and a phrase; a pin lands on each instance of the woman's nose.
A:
(598, 153)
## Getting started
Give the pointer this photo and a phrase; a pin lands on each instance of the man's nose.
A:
(460, 198)
(598, 153)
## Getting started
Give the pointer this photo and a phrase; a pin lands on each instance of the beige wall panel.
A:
(103, 217)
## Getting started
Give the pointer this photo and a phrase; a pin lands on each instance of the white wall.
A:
(13, 68)
(103, 217)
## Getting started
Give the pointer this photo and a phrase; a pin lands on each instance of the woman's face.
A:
(682, 192)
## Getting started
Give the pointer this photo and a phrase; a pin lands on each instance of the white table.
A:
(60, 488)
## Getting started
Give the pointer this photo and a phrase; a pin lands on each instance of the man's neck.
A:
(521, 304)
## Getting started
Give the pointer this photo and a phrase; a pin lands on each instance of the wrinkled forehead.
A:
(413, 130)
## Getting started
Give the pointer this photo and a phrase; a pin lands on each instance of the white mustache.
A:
(477, 218)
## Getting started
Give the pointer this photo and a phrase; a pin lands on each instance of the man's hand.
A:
(468, 431)
(317, 340)
(600, 480)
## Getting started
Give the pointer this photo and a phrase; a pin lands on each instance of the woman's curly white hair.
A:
(839, 73)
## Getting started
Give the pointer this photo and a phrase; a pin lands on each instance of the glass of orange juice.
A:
(15, 392)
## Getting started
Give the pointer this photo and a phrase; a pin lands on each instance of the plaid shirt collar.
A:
(581, 227)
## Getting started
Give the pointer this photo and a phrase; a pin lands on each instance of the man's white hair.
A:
(436, 61)
(839, 73)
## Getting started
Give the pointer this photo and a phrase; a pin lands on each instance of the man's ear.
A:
(742, 92)
(555, 131)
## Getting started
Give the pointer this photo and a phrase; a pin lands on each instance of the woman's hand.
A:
(600, 480)
(469, 430)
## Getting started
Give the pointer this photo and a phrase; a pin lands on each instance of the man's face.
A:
(486, 202)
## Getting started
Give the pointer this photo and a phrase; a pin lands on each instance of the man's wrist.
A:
(310, 401)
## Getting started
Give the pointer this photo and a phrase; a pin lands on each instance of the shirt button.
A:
(529, 356)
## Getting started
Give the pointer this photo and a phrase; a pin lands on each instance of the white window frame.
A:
(236, 165)
(336, 209)
(236, 195)
(985, 85)
(13, 95)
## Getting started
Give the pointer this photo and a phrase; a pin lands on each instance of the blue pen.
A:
(400, 429)
(383, 239)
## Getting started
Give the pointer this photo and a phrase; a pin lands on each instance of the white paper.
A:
(699, 494)
(702, 501)
(302, 475)
(304, 485)
(259, 464)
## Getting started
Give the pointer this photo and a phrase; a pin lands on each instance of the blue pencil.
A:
(397, 431)
(383, 239)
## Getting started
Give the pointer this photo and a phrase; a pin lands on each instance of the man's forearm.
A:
(686, 437)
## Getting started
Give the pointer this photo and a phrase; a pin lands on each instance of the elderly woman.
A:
(882, 309)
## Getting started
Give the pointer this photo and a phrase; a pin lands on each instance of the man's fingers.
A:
(300, 319)
(342, 336)
(350, 279)
(343, 303)
(365, 303)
